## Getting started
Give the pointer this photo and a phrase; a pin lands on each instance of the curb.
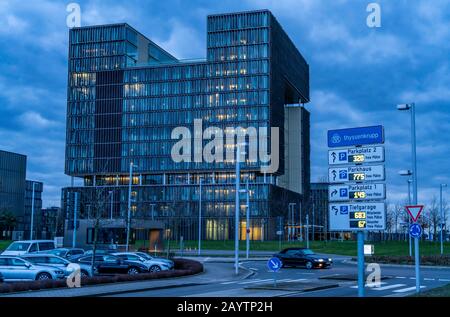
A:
(403, 265)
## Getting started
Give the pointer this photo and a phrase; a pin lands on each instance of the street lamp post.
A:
(32, 212)
(247, 218)
(408, 173)
(130, 182)
(412, 108)
(111, 193)
(291, 221)
(442, 217)
(152, 206)
(75, 214)
(237, 207)
(200, 217)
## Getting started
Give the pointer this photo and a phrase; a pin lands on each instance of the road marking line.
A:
(367, 285)
(403, 290)
(257, 281)
(226, 283)
(444, 280)
(253, 269)
(428, 279)
(412, 278)
(297, 280)
(285, 280)
(387, 287)
(400, 277)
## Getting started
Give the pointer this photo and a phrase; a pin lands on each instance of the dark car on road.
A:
(1, 277)
(110, 264)
(303, 257)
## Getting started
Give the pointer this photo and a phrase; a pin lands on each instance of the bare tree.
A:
(97, 198)
(433, 213)
(390, 219)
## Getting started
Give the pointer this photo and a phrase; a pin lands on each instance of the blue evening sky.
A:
(358, 74)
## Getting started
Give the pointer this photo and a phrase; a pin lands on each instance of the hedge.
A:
(182, 267)
(436, 260)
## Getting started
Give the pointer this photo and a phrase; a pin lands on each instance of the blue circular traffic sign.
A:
(415, 230)
(274, 264)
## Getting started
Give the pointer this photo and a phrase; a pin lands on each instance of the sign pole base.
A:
(417, 263)
(361, 275)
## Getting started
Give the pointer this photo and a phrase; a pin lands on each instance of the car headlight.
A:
(330, 259)
(59, 272)
(320, 260)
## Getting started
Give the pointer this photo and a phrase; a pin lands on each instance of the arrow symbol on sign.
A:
(334, 192)
(333, 172)
(333, 154)
(274, 265)
(335, 210)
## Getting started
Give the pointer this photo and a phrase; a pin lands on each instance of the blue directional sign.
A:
(415, 230)
(274, 264)
(355, 136)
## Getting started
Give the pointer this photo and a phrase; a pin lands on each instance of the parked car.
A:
(153, 264)
(110, 264)
(303, 257)
(64, 252)
(28, 246)
(1, 277)
(57, 262)
(14, 268)
(75, 257)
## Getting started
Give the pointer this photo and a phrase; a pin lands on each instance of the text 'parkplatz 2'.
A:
(357, 191)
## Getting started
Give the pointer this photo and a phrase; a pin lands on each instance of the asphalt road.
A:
(401, 282)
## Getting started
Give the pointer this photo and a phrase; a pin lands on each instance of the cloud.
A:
(31, 119)
(184, 42)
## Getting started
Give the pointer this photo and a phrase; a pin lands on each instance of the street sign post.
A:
(372, 154)
(274, 265)
(356, 173)
(373, 191)
(352, 185)
(415, 231)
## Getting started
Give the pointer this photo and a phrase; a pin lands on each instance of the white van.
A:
(29, 246)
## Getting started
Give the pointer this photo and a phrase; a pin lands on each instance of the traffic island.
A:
(183, 267)
(293, 287)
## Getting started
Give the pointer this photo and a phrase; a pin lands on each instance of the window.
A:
(87, 259)
(133, 258)
(18, 262)
(4, 262)
(33, 248)
(43, 246)
(18, 246)
(110, 259)
(53, 260)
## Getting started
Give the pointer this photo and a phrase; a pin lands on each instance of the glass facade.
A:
(12, 190)
(126, 95)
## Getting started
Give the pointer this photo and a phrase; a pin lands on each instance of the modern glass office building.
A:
(126, 95)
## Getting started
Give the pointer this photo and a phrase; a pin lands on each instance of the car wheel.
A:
(43, 277)
(155, 268)
(309, 265)
(133, 271)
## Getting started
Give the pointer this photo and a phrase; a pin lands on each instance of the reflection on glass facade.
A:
(126, 95)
